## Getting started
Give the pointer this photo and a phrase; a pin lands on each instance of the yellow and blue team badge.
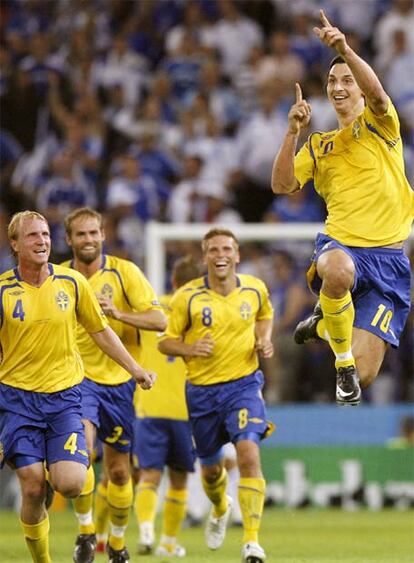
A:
(107, 291)
(245, 311)
(62, 300)
(356, 130)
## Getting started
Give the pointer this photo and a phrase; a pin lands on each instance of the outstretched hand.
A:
(300, 113)
(331, 36)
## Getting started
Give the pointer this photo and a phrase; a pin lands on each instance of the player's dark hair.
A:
(184, 270)
(81, 212)
(216, 232)
(338, 60)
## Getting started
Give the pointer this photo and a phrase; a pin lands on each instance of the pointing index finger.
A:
(298, 92)
(324, 19)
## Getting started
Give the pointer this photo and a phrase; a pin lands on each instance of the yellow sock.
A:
(101, 511)
(175, 508)
(83, 504)
(145, 502)
(251, 499)
(119, 499)
(37, 540)
(321, 330)
(339, 317)
(216, 492)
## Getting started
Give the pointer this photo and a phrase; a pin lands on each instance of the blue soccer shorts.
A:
(227, 412)
(110, 408)
(161, 442)
(37, 427)
(381, 291)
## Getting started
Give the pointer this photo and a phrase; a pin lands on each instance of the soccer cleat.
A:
(164, 550)
(117, 555)
(348, 389)
(253, 553)
(305, 330)
(85, 547)
(216, 527)
(146, 538)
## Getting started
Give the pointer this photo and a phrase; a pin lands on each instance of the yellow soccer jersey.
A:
(167, 398)
(359, 172)
(124, 283)
(38, 325)
(196, 310)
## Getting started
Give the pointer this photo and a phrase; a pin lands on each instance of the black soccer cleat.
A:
(85, 547)
(117, 555)
(348, 389)
(306, 330)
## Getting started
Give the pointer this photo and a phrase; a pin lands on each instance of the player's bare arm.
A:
(283, 175)
(147, 320)
(263, 333)
(202, 348)
(110, 344)
(364, 75)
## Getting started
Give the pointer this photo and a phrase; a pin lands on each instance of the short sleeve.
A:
(89, 312)
(178, 316)
(305, 164)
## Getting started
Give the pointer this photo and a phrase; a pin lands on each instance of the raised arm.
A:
(367, 80)
(283, 172)
(111, 345)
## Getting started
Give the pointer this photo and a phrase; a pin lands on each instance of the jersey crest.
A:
(245, 311)
(356, 130)
(62, 300)
(107, 291)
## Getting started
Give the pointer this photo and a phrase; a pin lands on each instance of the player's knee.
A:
(212, 473)
(118, 475)
(338, 277)
(34, 492)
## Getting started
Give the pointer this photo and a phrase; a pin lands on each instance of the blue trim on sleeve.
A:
(64, 277)
(255, 291)
(189, 306)
(390, 144)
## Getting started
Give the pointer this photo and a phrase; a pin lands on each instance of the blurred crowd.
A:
(173, 110)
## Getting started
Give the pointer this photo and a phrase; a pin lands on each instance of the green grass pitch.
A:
(288, 536)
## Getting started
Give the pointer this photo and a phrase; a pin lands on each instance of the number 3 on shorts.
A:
(70, 443)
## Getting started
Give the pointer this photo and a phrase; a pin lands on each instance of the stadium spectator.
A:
(40, 398)
(129, 302)
(219, 323)
(364, 291)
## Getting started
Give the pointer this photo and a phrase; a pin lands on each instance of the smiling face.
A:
(86, 238)
(32, 242)
(221, 255)
(343, 92)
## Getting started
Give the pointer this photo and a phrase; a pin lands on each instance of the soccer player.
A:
(40, 373)
(163, 437)
(359, 267)
(129, 302)
(219, 324)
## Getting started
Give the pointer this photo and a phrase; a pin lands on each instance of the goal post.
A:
(158, 234)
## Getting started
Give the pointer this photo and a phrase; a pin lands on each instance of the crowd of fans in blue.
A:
(173, 110)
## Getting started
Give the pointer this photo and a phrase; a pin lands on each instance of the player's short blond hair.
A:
(13, 228)
(82, 212)
(218, 232)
